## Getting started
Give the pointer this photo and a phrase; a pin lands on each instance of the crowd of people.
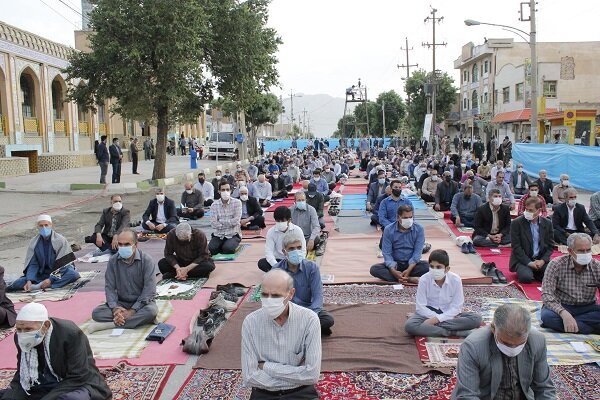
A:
(281, 342)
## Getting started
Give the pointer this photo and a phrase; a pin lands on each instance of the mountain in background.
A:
(323, 112)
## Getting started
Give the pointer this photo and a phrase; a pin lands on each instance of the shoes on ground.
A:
(471, 248)
(227, 295)
(426, 247)
(464, 248)
(232, 288)
(220, 301)
(196, 342)
(501, 276)
(489, 269)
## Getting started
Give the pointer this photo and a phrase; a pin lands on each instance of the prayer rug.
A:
(64, 293)
(230, 257)
(172, 289)
(128, 345)
(354, 202)
(250, 234)
(4, 333)
(143, 236)
(438, 352)
(213, 384)
(91, 259)
(560, 351)
(574, 382)
(6, 376)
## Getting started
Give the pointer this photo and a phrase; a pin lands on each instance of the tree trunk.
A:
(160, 157)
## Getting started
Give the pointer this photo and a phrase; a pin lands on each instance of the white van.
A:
(223, 144)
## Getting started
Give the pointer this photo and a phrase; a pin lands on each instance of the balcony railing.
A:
(31, 125)
(84, 128)
(60, 126)
(3, 126)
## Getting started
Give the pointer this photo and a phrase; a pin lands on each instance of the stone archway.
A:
(31, 102)
(60, 111)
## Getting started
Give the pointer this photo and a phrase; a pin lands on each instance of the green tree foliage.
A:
(350, 120)
(360, 114)
(266, 108)
(162, 60)
(418, 100)
(394, 112)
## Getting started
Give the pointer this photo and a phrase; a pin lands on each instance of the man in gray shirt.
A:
(281, 369)
(130, 288)
(305, 216)
(464, 207)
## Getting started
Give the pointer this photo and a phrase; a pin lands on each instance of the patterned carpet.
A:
(4, 333)
(127, 382)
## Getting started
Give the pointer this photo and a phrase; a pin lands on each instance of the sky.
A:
(329, 44)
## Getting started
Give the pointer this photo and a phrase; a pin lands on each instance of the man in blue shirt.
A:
(402, 246)
(308, 288)
(321, 184)
(389, 207)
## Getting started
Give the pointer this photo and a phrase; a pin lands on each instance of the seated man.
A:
(252, 213)
(440, 302)
(225, 218)
(464, 207)
(321, 184)
(595, 209)
(240, 173)
(534, 191)
(279, 369)
(329, 177)
(54, 360)
(506, 360)
(186, 254)
(500, 185)
(288, 180)
(402, 246)
(130, 288)
(429, 186)
(546, 186)
(444, 192)
(161, 214)
(559, 191)
(274, 240)
(569, 289)
(376, 189)
(388, 209)
(570, 217)
(263, 191)
(492, 222)
(375, 214)
(308, 288)
(207, 189)
(252, 172)
(519, 181)
(7, 309)
(316, 200)
(215, 183)
(48, 261)
(192, 203)
(532, 242)
(277, 186)
(112, 222)
(305, 217)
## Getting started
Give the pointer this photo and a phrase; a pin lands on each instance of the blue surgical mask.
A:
(296, 256)
(125, 252)
(45, 231)
(301, 205)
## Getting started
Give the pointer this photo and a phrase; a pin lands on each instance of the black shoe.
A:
(471, 248)
(326, 332)
(196, 343)
(226, 295)
(254, 228)
(488, 270)
(501, 276)
(232, 289)
(464, 248)
(426, 247)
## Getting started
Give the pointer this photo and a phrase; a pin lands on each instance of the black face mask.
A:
(447, 178)
(467, 196)
(201, 180)
(396, 192)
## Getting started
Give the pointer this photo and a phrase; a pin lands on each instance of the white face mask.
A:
(533, 193)
(572, 202)
(583, 259)
(434, 178)
(117, 206)
(28, 340)
(225, 195)
(437, 274)
(406, 223)
(497, 201)
(565, 182)
(243, 197)
(528, 215)
(281, 226)
(316, 178)
(189, 191)
(160, 198)
(274, 306)
(520, 169)
(510, 351)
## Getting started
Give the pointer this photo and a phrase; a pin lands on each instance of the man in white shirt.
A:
(274, 240)
(263, 191)
(207, 189)
(440, 301)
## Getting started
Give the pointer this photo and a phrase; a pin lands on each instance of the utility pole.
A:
(292, 108)
(281, 116)
(383, 112)
(434, 20)
(534, 67)
(407, 65)
(304, 123)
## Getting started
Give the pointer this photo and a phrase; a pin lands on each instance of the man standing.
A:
(113, 221)
(225, 217)
(492, 222)
(186, 254)
(116, 158)
(570, 217)
(192, 203)
(305, 216)
(7, 309)
(161, 214)
(569, 289)
(103, 158)
(281, 369)
(133, 153)
(147, 151)
(506, 360)
(130, 288)
(54, 360)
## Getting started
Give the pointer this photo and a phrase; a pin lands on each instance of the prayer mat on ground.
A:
(131, 343)
(354, 189)
(354, 202)
(172, 289)
(64, 293)
(438, 352)
(243, 270)
(143, 236)
(90, 258)
(576, 382)
(230, 257)
(249, 234)
(4, 333)
(558, 345)
(366, 337)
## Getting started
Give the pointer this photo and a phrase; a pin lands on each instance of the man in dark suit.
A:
(252, 213)
(7, 308)
(492, 222)
(532, 243)
(103, 158)
(116, 157)
(376, 189)
(570, 217)
(446, 190)
(546, 186)
(161, 214)
(133, 154)
(519, 181)
(105, 232)
(278, 186)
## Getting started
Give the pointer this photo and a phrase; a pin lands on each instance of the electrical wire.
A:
(76, 11)
(61, 15)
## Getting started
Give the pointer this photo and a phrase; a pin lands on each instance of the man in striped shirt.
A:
(281, 344)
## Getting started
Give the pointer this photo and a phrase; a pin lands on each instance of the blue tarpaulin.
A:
(275, 145)
(581, 163)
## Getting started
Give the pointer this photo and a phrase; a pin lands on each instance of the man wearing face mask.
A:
(558, 193)
(388, 209)
(464, 207)
(206, 188)
(546, 186)
(130, 289)
(329, 176)
(277, 186)
(532, 242)
(534, 191)
(569, 289)
(7, 308)
(376, 189)
(305, 217)
(570, 217)
(444, 193)
(263, 191)
(499, 184)
(274, 368)
(112, 222)
(402, 245)
(319, 182)
(492, 222)
(48, 261)
(252, 213)
(161, 214)
(54, 360)
(506, 360)
(192, 203)
(186, 254)
(274, 240)
(215, 182)
(519, 181)
(225, 217)
(429, 187)
(308, 288)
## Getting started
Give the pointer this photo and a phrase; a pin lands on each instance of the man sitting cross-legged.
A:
(186, 254)
(440, 301)
(308, 288)
(192, 203)
(464, 207)
(252, 213)
(570, 217)
(402, 246)
(274, 241)
(305, 217)
(130, 288)
(161, 214)
(492, 222)
(112, 222)
(225, 217)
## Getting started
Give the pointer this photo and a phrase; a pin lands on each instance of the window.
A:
(519, 94)
(465, 103)
(465, 76)
(475, 72)
(474, 99)
(550, 89)
(486, 67)
(485, 98)
(27, 96)
(506, 95)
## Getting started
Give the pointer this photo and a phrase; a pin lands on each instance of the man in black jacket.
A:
(445, 192)
(532, 243)
(7, 308)
(570, 217)
(546, 186)
(252, 213)
(116, 158)
(113, 221)
(161, 214)
(492, 222)
(68, 371)
(278, 186)
(103, 158)
(192, 202)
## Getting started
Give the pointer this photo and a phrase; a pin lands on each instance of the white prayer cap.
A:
(33, 312)
(44, 217)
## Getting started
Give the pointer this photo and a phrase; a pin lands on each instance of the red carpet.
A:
(355, 189)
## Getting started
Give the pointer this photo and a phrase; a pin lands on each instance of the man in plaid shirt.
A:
(569, 289)
(225, 216)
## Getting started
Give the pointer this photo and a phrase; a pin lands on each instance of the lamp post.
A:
(292, 95)
(534, 64)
